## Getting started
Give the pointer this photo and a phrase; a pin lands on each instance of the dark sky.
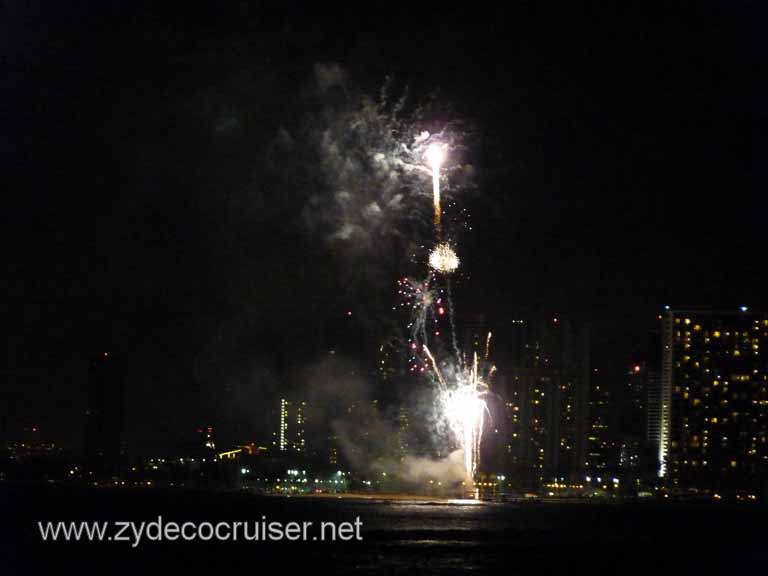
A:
(617, 155)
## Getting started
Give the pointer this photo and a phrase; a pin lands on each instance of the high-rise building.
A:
(713, 401)
(504, 448)
(283, 438)
(104, 413)
(633, 402)
(300, 437)
(602, 452)
(637, 424)
(333, 449)
(291, 434)
(653, 415)
(544, 382)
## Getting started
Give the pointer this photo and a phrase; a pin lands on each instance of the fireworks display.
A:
(381, 165)
(461, 386)
(443, 259)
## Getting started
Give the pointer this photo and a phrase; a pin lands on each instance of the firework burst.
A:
(462, 391)
(443, 259)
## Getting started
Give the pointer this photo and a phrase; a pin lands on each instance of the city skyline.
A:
(185, 220)
(555, 422)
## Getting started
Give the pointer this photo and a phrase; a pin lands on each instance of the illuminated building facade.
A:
(283, 433)
(653, 415)
(293, 422)
(544, 382)
(601, 454)
(300, 438)
(713, 402)
(333, 449)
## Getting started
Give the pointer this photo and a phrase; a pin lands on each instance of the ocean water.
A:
(398, 536)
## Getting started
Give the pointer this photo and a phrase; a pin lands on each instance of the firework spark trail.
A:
(451, 319)
(436, 194)
(435, 155)
(435, 367)
(492, 369)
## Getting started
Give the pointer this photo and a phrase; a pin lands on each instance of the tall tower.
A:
(653, 416)
(665, 391)
(104, 413)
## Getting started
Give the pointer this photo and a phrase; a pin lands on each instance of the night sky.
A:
(617, 157)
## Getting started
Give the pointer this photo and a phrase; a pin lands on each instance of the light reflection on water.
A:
(471, 537)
